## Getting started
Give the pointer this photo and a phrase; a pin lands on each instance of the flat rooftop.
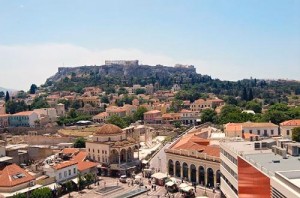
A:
(263, 159)
(271, 163)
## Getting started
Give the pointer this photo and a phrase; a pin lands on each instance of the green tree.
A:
(177, 124)
(21, 94)
(73, 113)
(76, 104)
(41, 193)
(140, 91)
(208, 115)
(122, 90)
(7, 97)
(89, 179)
(139, 114)
(15, 106)
(118, 121)
(79, 143)
(104, 99)
(33, 89)
(80, 182)
(19, 195)
(244, 94)
(39, 102)
(253, 105)
(69, 187)
(296, 134)
(250, 96)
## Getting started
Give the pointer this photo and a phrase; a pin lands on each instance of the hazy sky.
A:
(227, 39)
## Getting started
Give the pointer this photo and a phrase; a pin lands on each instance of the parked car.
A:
(123, 179)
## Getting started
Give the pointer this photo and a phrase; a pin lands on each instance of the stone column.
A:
(197, 176)
(181, 171)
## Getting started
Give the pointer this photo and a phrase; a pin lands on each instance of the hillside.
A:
(108, 76)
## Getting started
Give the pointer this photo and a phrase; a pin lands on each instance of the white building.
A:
(62, 171)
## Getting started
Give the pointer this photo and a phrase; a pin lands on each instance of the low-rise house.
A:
(170, 117)
(153, 117)
(24, 119)
(13, 178)
(113, 110)
(189, 117)
(101, 117)
(265, 129)
(286, 127)
(4, 120)
(62, 171)
(200, 104)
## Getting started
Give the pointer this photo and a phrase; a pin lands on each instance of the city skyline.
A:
(229, 40)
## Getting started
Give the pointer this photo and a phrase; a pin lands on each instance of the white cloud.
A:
(22, 65)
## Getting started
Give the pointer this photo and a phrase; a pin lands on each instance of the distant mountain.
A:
(5, 89)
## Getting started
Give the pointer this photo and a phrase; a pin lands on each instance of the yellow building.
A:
(113, 149)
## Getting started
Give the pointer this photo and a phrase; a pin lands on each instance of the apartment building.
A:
(252, 169)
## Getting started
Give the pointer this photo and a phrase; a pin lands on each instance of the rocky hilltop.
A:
(127, 71)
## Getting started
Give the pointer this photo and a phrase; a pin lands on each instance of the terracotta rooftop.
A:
(70, 150)
(80, 157)
(108, 129)
(152, 112)
(23, 113)
(194, 142)
(258, 124)
(64, 164)
(291, 123)
(186, 111)
(81, 166)
(13, 175)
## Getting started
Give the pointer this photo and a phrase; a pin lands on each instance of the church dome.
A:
(108, 129)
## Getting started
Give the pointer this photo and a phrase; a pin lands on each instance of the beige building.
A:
(192, 158)
(287, 127)
(200, 104)
(113, 149)
(265, 129)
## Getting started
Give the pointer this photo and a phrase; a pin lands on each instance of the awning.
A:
(52, 186)
(187, 189)
(144, 162)
(170, 183)
(183, 185)
(159, 175)
(24, 190)
(75, 180)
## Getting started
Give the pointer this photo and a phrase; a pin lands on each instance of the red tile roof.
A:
(64, 164)
(70, 150)
(24, 113)
(291, 123)
(194, 142)
(13, 175)
(81, 166)
(80, 157)
(152, 112)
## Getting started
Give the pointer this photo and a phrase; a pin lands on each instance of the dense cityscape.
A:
(147, 139)
(150, 99)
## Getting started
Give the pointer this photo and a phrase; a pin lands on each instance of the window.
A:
(287, 132)
(250, 131)
(74, 170)
(89, 150)
(102, 151)
(65, 173)
(59, 175)
(70, 172)
(98, 151)
(272, 132)
(93, 150)
(258, 132)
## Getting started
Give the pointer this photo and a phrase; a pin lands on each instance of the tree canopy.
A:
(79, 143)
(296, 134)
